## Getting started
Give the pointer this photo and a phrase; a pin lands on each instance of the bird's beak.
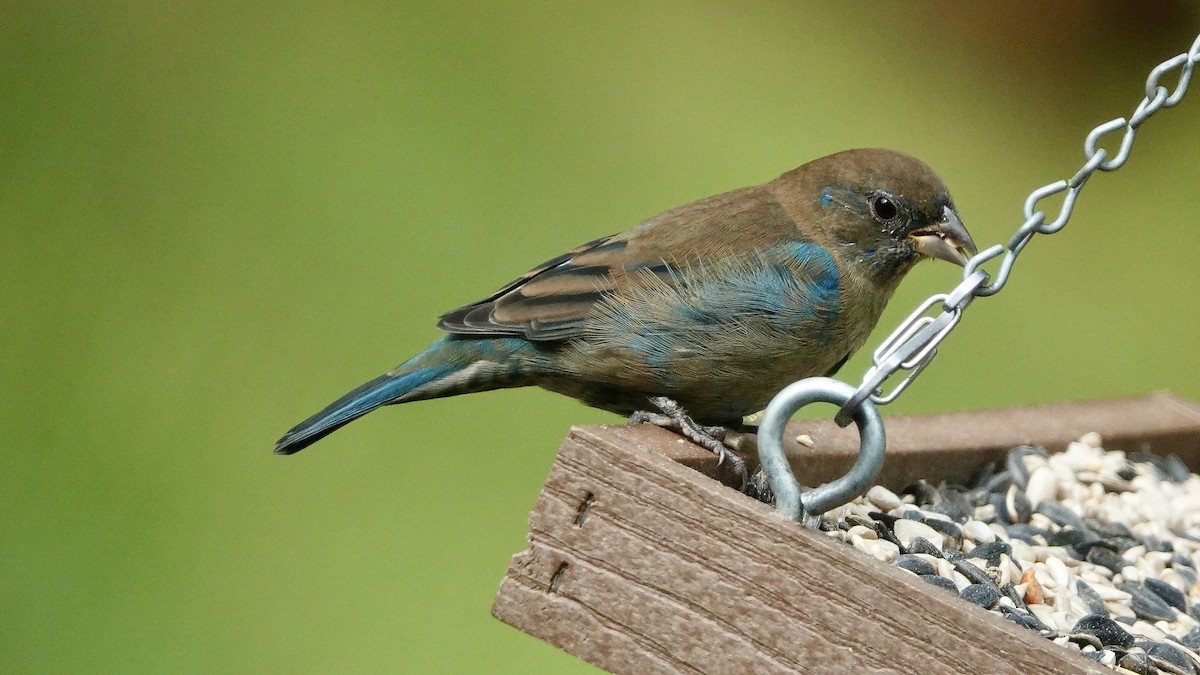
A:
(947, 240)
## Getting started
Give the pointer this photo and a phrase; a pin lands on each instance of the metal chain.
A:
(912, 346)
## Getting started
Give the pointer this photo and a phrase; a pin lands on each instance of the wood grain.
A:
(951, 446)
(639, 564)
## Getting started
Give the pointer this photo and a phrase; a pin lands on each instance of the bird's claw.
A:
(674, 417)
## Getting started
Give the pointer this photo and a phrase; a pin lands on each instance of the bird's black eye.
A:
(883, 207)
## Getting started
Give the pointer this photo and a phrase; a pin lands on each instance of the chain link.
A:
(912, 346)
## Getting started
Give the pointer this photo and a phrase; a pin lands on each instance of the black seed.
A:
(945, 527)
(940, 581)
(884, 532)
(982, 474)
(1137, 662)
(1188, 574)
(922, 492)
(1147, 605)
(1016, 467)
(1180, 560)
(1155, 544)
(1022, 618)
(1017, 506)
(1107, 631)
(880, 517)
(976, 496)
(1028, 534)
(984, 595)
(1065, 537)
(1091, 598)
(1103, 557)
(999, 483)
(1191, 639)
(1121, 544)
(859, 520)
(1088, 543)
(953, 504)
(1157, 463)
(997, 502)
(915, 564)
(758, 488)
(1109, 530)
(991, 552)
(1177, 471)
(1127, 472)
(973, 573)
(923, 545)
(1165, 651)
(1013, 594)
(1070, 537)
(1169, 594)
(1060, 515)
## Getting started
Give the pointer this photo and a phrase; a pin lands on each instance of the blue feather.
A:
(716, 305)
(452, 365)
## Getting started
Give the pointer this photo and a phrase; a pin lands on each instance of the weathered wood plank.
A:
(950, 446)
(639, 564)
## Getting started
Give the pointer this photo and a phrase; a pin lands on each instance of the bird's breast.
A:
(721, 336)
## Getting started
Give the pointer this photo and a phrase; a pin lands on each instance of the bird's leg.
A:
(673, 416)
(674, 423)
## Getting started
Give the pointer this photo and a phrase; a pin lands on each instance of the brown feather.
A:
(555, 300)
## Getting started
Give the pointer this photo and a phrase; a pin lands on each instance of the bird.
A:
(698, 316)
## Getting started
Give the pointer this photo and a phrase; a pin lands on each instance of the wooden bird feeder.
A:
(641, 560)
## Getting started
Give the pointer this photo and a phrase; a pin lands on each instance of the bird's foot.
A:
(673, 416)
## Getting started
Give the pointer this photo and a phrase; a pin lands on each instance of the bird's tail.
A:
(452, 365)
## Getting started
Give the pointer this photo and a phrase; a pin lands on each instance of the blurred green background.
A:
(217, 217)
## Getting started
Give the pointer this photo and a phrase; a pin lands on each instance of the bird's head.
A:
(883, 211)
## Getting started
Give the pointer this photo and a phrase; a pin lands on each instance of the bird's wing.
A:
(554, 300)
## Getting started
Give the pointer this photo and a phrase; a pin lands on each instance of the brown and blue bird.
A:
(698, 316)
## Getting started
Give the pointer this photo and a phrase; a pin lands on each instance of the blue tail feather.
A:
(378, 392)
(426, 375)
